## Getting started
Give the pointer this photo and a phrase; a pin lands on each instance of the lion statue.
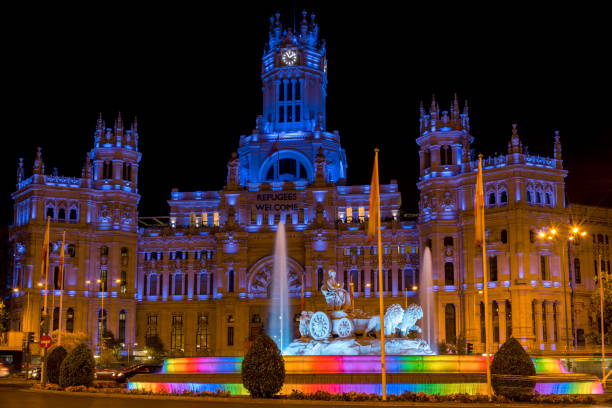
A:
(393, 317)
(412, 313)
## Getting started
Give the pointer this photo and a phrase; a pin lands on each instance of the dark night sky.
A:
(192, 78)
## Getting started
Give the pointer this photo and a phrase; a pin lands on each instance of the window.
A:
(121, 334)
(103, 284)
(448, 241)
(495, 322)
(212, 284)
(178, 284)
(50, 213)
(230, 336)
(449, 274)
(104, 251)
(491, 199)
(373, 283)
(151, 333)
(161, 284)
(101, 323)
(123, 283)
(577, 274)
(504, 236)
(152, 285)
(529, 196)
(503, 198)
(176, 333)
(493, 268)
(70, 320)
(71, 250)
(203, 283)
(389, 280)
(56, 318)
(555, 333)
(400, 286)
(202, 333)
(450, 326)
(482, 323)
(124, 256)
(426, 159)
(508, 319)
(544, 324)
(543, 268)
(61, 214)
(538, 197)
(580, 338)
(548, 199)
(533, 318)
(230, 281)
(56, 278)
(320, 278)
(362, 282)
(531, 236)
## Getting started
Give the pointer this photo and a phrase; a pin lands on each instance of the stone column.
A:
(537, 307)
(502, 321)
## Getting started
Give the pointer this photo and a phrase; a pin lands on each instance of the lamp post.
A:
(101, 325)
(552, 234)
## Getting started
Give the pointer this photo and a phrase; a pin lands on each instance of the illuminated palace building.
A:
(200, 277)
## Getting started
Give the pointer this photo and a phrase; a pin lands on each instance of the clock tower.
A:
(294, 78)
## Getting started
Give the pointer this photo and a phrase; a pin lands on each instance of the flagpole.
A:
(485, 281)
(380, 284)
(43, 366)
(61, 278)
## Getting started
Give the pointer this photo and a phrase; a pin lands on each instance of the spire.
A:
(432, 108)
(86, 172)
(135, 133)
(20, 171)
(515, 145)
(100, 123)
(119, 129)
(455, 110)
(39, 165)
(558, 156)
(304, 25)
(277, 26)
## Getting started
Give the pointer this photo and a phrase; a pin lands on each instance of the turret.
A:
(38, 170)
(20, 172)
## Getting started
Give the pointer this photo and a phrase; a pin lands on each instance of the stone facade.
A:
(199, 278)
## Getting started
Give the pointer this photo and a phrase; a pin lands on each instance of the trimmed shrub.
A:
(54, 361)
(509, 371)
(78, 367)
(263, 368)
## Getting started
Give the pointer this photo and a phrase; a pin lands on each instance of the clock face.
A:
(289, 57)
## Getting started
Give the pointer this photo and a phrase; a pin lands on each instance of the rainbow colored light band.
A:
(353, 365)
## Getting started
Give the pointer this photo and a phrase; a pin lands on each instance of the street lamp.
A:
(553, 234)
(600, 249)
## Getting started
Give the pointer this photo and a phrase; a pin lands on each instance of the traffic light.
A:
(470, 348)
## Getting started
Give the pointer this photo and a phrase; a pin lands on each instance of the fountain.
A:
(426, 297)
(339, 350)
(279, 320)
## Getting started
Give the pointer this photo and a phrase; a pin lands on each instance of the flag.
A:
(60, 277)
(479, 206)
(45, 253)
(374, 216)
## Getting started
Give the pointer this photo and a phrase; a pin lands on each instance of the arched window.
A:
(529, 196)
(443, 155)
(577, 274)
(508, 319)
(61, 214)
(548, 199)
(538, 197)
(71, 250)
(491, 199)
(450, 326)
(124, 256)
(56, 318)
(122, 318)
(144, 285)
(230, 281)
(57, 284)
(70, 320)
(503, 197)
(495, 308)
(426, 159)
(104, 251)
(448, 241)
(493, 268)
(449, 274)
(555, 333)
(504, 236)
(50, 213)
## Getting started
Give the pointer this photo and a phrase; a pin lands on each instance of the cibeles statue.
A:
(336, 297)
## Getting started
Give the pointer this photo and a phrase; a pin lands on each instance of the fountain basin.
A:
(433, 374)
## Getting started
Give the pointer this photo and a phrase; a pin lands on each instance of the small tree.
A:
(155, 348)
(510, 368)
(78, 367)
(263, 368)
(70, 340)
(54, 362)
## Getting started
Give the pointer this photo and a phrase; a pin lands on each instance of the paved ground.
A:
(14, 395)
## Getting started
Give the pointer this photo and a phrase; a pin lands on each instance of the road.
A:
(17, 397)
